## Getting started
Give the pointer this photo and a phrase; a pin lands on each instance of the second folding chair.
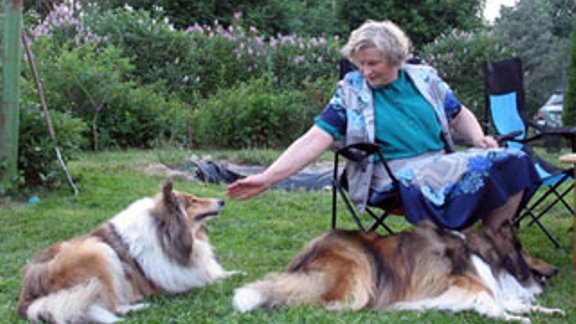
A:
(506, 113)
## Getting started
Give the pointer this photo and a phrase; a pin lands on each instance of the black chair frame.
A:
(359, 152)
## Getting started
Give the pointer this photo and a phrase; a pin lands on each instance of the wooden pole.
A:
(44, 107)
(9, 110)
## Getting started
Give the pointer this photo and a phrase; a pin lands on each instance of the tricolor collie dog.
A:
(155, 246)
(428, 268)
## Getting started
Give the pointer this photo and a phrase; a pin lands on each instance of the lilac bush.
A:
(237, 53)
(201, 58)
(62, 25)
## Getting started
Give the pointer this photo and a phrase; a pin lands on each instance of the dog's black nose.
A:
(220, 202)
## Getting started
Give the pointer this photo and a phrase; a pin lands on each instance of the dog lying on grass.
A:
(155, 246)
(429, 268)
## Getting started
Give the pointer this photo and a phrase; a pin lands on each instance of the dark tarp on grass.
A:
(211, 172)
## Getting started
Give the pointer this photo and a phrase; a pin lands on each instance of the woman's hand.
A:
(468, 127)
(486, 142)
(299, 154)
(248, 187)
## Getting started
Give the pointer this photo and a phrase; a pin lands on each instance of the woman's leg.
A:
(506, 212)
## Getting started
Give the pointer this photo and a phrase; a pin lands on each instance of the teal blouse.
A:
(405, 122)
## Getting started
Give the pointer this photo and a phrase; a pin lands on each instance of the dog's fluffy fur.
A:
(428, 268)
(155, 246)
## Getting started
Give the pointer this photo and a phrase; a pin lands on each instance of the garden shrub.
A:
(159, 53)
(89, 80)
(139, 116)
(37, 159)
(204, 58)
(253, 115)
(82, 80)
(196, 62)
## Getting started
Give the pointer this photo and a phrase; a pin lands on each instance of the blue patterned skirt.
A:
(457, 189)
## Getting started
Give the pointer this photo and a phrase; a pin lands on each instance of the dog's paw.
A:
(549, 311)
(247, 299)
(515, 318)
(124, 309)
(228, 274)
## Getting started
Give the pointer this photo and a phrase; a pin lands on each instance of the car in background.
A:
(551, 113)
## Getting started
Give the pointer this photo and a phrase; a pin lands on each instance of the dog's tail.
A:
(281, 289)
(303, 287)
(77, 304)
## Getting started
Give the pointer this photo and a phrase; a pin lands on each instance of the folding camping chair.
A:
(390, 204)
(505, 111)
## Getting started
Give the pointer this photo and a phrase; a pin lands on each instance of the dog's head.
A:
(180, 219)
(503, 251)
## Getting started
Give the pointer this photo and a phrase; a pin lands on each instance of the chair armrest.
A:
(507, 137)
(359, 151)
(567, 132)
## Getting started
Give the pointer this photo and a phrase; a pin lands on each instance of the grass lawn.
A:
(256, 236)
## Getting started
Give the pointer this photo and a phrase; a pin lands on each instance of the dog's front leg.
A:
(231, 273)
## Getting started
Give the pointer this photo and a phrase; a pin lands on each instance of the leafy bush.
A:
(89, 80)
(254, 115)
(198, 61)
(204, 58)
(159, 53)
(37, 160)
(139, 116)
(459, 58)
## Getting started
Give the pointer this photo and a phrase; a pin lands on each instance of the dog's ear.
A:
(173, 226)
(169, 199)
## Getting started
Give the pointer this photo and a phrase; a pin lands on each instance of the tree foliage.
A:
(569, 114)
(530, 31)
(562, 14)
(423, 20)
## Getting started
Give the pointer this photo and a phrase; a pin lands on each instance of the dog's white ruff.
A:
(139, 234)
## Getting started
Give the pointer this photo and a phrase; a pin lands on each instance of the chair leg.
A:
(379, 221)
(535, 219)
(559, 198)
(351, 210)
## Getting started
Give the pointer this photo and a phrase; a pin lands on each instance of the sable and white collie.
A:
(155, 246)
(428, 268)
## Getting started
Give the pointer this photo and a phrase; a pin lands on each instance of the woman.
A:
(412, 113)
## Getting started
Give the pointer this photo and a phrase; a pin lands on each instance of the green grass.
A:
(256, 236)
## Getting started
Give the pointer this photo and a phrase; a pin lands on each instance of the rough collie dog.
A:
(155, 246)
(428, 268)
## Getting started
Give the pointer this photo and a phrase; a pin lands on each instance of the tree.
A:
(529, 30)
(563, 13)
(569, 114)
(423, 20)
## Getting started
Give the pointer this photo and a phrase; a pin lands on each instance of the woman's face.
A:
(375, 67)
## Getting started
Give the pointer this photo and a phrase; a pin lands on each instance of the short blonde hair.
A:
(386, 36)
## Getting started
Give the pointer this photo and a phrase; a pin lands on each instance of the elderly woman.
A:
(413, 114)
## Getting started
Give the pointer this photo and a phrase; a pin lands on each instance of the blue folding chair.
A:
(505, 113)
